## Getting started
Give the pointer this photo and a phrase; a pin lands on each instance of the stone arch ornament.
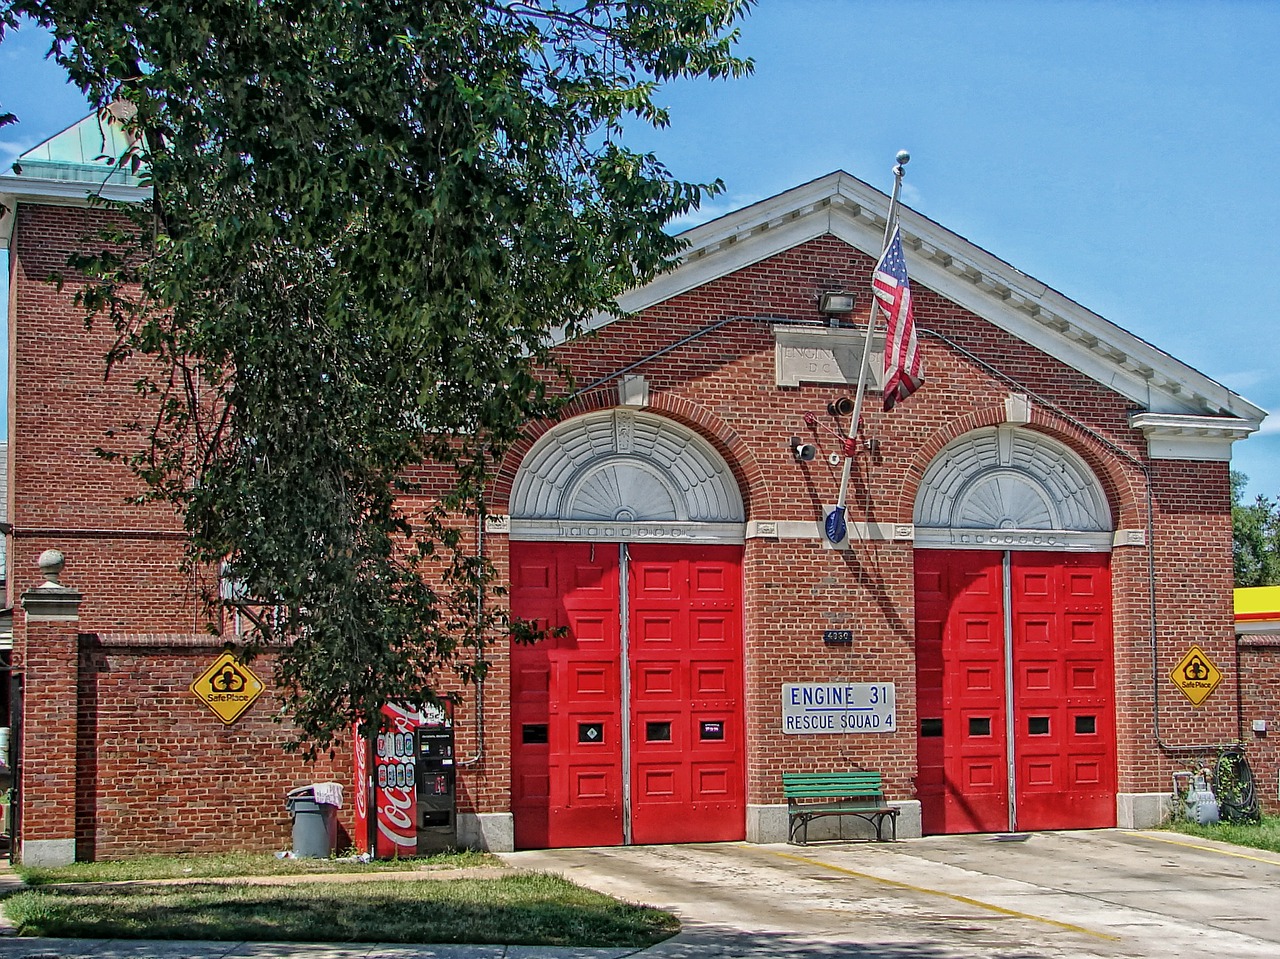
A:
(625, 476)
(1009, 488)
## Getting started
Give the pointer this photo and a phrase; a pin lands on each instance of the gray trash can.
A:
(315, 824)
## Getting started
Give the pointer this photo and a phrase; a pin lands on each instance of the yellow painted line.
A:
(978, 903)
(1196, 845)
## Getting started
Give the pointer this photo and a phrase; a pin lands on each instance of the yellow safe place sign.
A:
(1196, 675)
(228, 687)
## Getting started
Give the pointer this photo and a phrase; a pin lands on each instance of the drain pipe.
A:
(1155, 667)
(696, 334)
(479, 680)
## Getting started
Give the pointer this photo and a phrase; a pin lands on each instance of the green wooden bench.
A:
(812, 795)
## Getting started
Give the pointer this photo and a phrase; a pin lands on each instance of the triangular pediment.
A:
(85, 152)
(853, 211)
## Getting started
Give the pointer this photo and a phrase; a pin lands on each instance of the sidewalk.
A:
(24, 948)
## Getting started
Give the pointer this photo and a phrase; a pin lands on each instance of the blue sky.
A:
(1126, 154)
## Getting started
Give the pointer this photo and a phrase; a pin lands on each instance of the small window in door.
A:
(980, 726)
(590, 732)
(533, 734)
(1037, 725)
(712, 731)
(930, 728)
(657, 732)
(1086, 725)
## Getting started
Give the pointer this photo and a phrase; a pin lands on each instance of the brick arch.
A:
(746, 471)
(1123, 486)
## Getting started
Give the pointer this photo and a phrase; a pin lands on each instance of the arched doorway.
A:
(1014, 658)
(627, 720)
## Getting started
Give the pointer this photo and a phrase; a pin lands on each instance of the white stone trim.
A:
(15, 190)
(624, 475)
(52, 603)
(766, 822)
(858, 532)
(1017, 408)
(1202, 438)
(809, 529)
(1129, 537)
(47, 853)
(1142, 810)
(597, 531)
(487, 832)
(1048, 540)
(825, 354)
(1011, 488)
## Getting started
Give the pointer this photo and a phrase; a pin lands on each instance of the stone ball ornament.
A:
(51, 562)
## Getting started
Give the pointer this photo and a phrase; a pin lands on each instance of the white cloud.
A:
(712, 210)
(1246, 379)
(911, 195)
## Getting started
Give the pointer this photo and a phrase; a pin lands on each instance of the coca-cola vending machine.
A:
(405, 797)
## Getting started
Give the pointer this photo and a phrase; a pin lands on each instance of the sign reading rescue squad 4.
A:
(228, 687)
(838, 708)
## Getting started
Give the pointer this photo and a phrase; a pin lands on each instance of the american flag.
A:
(903, 369)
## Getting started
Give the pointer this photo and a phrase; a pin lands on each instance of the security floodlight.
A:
(835, 301)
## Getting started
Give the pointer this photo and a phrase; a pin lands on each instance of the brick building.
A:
(1028, 626)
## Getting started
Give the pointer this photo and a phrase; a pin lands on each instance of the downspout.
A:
(479, 680)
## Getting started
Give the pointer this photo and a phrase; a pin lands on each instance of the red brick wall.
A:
(48, 787)
(156, 770)
(1260, 685)
(159, 772)
(125, 558)
(722, 384)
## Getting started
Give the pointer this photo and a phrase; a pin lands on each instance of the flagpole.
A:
(835, 523)
(902, 159)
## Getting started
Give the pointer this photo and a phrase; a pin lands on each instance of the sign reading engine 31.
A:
(838, 708)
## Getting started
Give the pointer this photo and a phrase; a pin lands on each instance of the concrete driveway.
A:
(1093, 893)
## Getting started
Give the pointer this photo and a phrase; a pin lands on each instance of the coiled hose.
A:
(1237, 797)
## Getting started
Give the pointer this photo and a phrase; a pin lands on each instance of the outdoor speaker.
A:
(802, 451)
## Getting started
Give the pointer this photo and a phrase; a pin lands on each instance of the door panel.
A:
(566, 758)
(687, 779)
(963, 780)
(1062, 699)
(1064, 710)
(687, 750)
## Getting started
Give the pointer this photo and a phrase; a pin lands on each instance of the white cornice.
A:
(15, 190)
(845, 207)
(1174, 437)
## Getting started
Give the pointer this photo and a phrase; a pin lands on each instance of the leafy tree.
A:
(370, 222)
(1255, 536)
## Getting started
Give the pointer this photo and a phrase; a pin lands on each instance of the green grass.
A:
(1263, 835)
(238, 864)
(520, 909)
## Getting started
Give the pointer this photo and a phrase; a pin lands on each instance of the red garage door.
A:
(649, 753)
(1015, 691)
